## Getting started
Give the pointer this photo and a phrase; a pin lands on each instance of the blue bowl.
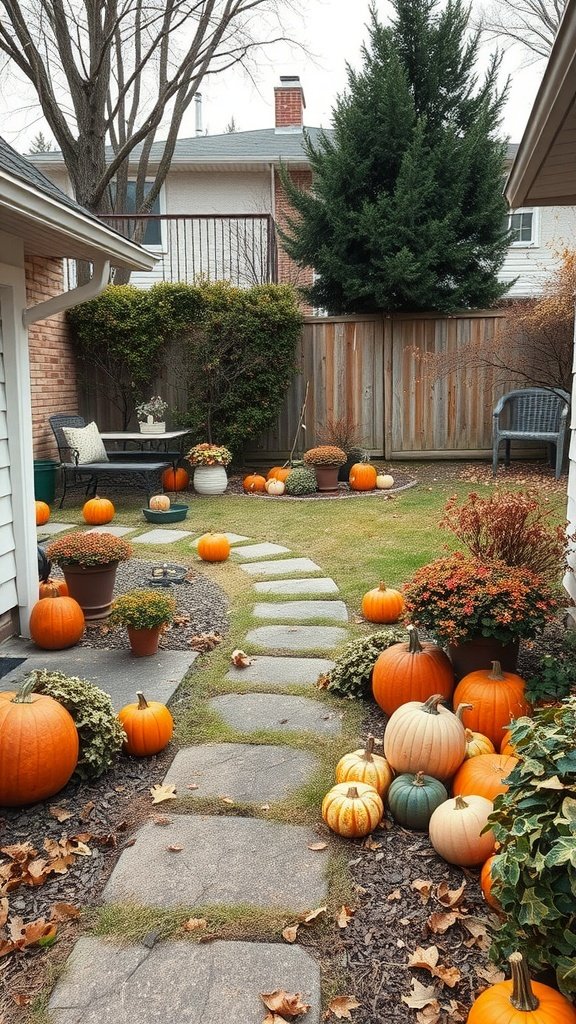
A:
(175, 514)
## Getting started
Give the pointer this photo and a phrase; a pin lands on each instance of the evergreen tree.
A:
(40, 144)
(407, 210)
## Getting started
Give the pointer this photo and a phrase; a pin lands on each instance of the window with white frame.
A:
(523, 226)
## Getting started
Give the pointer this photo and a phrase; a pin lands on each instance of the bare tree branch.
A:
(531, 24)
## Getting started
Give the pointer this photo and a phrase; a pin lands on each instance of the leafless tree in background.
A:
(531, 24)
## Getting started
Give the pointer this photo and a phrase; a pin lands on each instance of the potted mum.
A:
(480, 610)
(145, 613)
(151, 415)
(209, 461)
(89, 562)
(326, 460)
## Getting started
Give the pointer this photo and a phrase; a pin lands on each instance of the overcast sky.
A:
(333, 32)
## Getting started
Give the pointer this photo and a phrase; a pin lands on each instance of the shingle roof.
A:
(22, 168)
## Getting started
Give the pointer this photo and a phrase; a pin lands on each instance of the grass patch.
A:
(129, 922)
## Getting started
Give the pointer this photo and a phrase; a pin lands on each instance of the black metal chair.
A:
(531, 414)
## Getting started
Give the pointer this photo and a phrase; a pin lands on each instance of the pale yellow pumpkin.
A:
(384, 481)
(352, 809)
(477, 743)
(365, 766)
(159, 503)
(455, 831)
(425, 737)
(275, 487)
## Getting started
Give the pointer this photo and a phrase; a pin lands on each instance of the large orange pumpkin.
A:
(382, 604)
(47, 587)
(486, 882)
(38, 746)
(483, 775)
(42, 513)
(56, 622)
(366, 766)
(496, 698)
(425, 737)
(148, 726)
(362, 477)
(254, 482)
(98, 511)
(279, 473)
(456, 830)
(175, 479)
(411, 671)
(352, 809)
(214, 547)
(521, 1001)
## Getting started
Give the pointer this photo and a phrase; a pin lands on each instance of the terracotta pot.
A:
(92, 587)
(327, 477)
(144, 642)
(480, 652)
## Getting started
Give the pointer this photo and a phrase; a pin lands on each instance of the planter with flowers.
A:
(145, 613)
(151, 415)
(89, 562)
(326, 460)
(209, 461)
(480, 610)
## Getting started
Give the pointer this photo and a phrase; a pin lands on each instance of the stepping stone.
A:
(115, 531)
(52, 528)
(223, 860)
(260, 550)
(281, 671)
(302, 610)
(297, 638)
(250, 712)
(161, 536)
(249, 774)
(180, 981)
(313, 586)
(281, 567)
(232, 538)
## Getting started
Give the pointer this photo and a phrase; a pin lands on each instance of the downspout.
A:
(58, 303)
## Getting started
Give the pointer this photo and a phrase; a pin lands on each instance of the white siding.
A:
(533, 263)
(8, 593)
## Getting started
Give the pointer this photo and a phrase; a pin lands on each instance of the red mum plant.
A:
(89, 549)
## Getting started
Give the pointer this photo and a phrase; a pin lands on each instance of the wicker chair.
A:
(531, 414)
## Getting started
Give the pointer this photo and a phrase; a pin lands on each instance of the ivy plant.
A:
(535, 823)
(352, 673)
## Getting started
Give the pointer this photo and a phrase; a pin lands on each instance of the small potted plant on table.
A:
(151, 415)
(89, 562)
(209, 461)
(326, 460)
(145, 613)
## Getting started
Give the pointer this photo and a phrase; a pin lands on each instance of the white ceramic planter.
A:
(210, 479)
(152, 428)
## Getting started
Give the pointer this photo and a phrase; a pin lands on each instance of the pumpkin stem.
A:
(496, 672)
(26, 690)
(382, 586)
(414, 645)
(461, 709)
(53, 591)
(460, 804)
(468, 734)
(367, 755)
(418, 779)
(142, 702)
(352, 793)
(522, 997)
(430, 706)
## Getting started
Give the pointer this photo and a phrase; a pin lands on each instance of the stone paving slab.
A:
(174, 982)
(249, 712)
(316, 585)
(297, 638)
(223, 860)
(161, 536)
(280, 567)
(299, 611)
(260, 550)
(281, 671)
(119, 673)
(115, 531)
(249, 774)
(52, 528)
(232, 538)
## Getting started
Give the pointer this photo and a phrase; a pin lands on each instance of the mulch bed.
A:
(402, 482)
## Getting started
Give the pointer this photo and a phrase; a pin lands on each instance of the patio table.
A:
(147, 442)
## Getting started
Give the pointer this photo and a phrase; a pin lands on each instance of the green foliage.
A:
(407, 210)
(352, 673)
(535, 822)
(100, 733)
(555, 677)
(301, 481)
(143, 609)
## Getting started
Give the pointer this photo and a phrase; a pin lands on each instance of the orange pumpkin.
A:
(362, 477)
(486, 882)
(46, 588)
(425, 737)
(148, 726)
(175, 479)
(496, 698)
(507, 747)
(382, 604)
(159, 503)
(366, 766)
(521, 1001)
(214, 547)
(352, 809)
(279, 473)
(477, 743)
(56, 622)
(254, 482)
(38, 746)
(456, 830)
(42, 513)
(411, 671)
(98, 511)
(483, 775)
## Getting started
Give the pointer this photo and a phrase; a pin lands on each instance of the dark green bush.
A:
(555, 676)
(352, 673)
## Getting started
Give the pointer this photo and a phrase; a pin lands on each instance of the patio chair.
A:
(531, 414)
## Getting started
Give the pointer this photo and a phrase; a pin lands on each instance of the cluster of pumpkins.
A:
(363, 477)
(39, 743)
(96, 511)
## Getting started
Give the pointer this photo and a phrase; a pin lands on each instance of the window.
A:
(522, 224)
(153, 232)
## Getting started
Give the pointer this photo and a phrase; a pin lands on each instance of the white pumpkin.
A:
(275, 487)
(159, 503)
(384, 481)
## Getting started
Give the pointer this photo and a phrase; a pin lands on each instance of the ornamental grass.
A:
(89, 549)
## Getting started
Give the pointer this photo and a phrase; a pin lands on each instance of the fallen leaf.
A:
(424, 887)
(323, 681)
(274, 1018)
(449, 897)
(181, 620)
(430, 1014)
(226, 799)
(163, 792)
(287, 1004)
(478, 930)
(193, 924)
(290, 933)
(394, 895)
(314, 914)
(404, 920)
(449, 975)
(205, 641)
(340, 1006)
(420, 995)
(344, 916)
(87, 810)
(490, 973)
(161, 819)
(370, 844)
(174, 848)
(63, 912)
(317, 846)
(425, 958)
(3, 911)
(21, 998)
(439, 922)
(264, 807)
(458, 1012)
(193, 785)
(240, 659)
(60, 813)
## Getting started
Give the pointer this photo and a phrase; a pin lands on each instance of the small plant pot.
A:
(152, 428)
(327, 477)
(92, 587)
(210, 479)
(144, 642)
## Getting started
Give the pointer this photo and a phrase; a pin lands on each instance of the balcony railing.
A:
(240, 248)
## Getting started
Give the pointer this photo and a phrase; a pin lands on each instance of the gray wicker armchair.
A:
(531, 414)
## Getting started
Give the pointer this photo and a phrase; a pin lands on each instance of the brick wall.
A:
(289, 103)
(52, 361)
(288, 271)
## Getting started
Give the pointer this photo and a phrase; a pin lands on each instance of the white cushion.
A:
(87, 442)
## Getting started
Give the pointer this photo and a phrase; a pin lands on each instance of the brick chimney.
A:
(289, 104)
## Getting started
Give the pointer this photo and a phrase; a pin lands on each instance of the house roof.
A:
(52, 224)
(544, 170)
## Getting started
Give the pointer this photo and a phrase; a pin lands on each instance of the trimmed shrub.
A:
(301, 481)
(352, 674)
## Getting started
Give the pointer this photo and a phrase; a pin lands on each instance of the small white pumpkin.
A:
(384, 481)
(159, 503)
(275, 487)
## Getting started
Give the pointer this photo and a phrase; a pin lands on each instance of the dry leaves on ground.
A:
(163, 792)
(344, 916)
(15, 934)
(317, 846)
(194, 924)
(287, 1004)
(205, 641)
(26, 867)
(340, 1007)
(428, 959)
(290, 933)
(240, 659)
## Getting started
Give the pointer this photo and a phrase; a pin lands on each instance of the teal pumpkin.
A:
(413, 798)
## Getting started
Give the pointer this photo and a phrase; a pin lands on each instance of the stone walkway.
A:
(199, 860)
